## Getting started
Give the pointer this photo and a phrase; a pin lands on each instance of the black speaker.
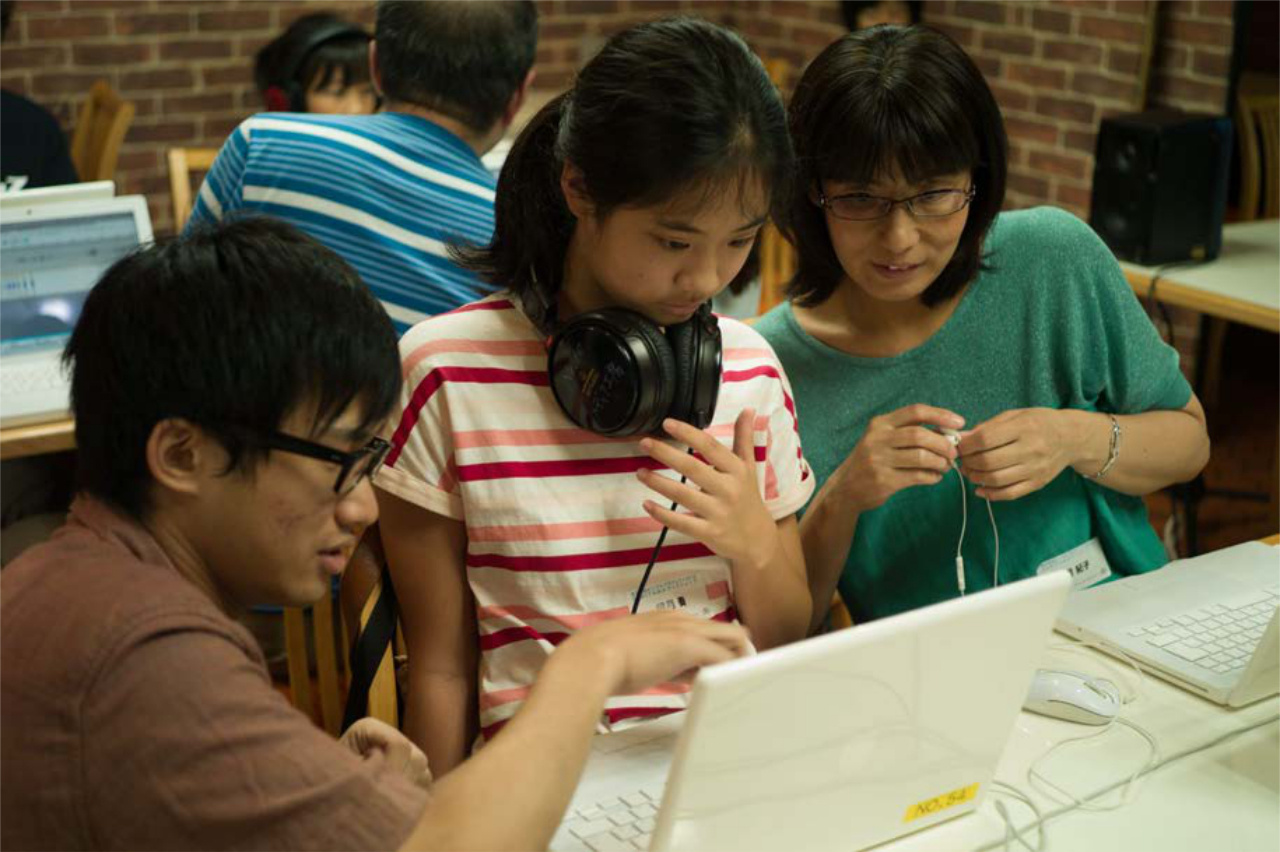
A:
(1160, 185)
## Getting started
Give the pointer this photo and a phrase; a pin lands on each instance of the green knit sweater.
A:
(1051, 324)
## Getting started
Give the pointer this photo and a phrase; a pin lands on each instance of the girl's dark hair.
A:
(281, 63)
(668, 107)
(886, 98)
(233, 327)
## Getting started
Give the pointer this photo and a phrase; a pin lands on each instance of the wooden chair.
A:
(777, 257)
(100, 129)
(1257, 118)
(183, 162)
(329, 677)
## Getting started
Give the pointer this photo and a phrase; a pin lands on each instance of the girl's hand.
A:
(896, 452)
(721, 495)
(1017, 452)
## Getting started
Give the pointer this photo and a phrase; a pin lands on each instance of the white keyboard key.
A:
(1222, 669)
(1185, 651)
(606, 842)
(654, 793)
(621, 817)
(591, 829)
(625, 832)
(647, 824)
(645, 810)
(1162, 640)
(590, 812)
(635, 799)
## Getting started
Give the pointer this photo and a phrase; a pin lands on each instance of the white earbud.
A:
(954, 437)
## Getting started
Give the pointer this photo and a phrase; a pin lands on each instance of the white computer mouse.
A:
(1073, 696)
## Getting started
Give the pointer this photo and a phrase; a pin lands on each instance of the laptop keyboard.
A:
(30, 378)
(614, 825)
(1219, 637)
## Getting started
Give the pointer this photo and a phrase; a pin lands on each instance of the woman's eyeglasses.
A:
(862, 207)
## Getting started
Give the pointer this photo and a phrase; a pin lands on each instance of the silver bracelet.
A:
(1113, 452)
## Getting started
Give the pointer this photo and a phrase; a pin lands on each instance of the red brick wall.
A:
(1057, 68)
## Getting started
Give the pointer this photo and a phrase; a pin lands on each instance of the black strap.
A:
(368, 650)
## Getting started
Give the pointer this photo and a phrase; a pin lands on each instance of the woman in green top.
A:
(918, 307)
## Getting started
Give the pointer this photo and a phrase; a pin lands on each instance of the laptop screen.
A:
(47, 269)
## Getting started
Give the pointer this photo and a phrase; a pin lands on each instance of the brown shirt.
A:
(134, 714)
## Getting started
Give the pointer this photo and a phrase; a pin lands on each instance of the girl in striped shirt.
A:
(507, 525)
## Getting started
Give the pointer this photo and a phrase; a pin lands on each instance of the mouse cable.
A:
(1171, 759)
(1037, 779)
(1011, 830)
(653, 557)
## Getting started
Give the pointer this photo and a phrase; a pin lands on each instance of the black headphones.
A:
(617, 373)
(289, 95)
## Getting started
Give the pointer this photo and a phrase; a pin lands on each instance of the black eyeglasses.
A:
(862, 207)
(352, 467)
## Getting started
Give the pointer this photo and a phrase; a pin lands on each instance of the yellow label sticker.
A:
(940, 803)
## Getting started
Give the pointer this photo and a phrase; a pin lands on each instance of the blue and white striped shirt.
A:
(387, 192)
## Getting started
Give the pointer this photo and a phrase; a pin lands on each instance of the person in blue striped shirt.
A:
(389, 192)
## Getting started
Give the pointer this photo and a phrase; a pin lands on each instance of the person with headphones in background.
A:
(591, 441)
(388, 192)
(934, 337)
(319, 64)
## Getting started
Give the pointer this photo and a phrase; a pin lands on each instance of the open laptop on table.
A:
(838, 742)
(51, 255)
(1207, 624)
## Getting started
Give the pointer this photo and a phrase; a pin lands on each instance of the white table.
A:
(1242, 284)
(1225, 798)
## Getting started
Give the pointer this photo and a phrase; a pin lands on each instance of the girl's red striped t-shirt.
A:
(557, 538)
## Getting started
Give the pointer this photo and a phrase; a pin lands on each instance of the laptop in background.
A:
(51, 255)
(94, 190)
(1206, 624)
(838, 742)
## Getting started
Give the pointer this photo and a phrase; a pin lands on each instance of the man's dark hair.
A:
(232, 328)
(885, 99)
(463, 60)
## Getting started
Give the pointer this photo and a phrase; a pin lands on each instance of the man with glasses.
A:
(228, 389)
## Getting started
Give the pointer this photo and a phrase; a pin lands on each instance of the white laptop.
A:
(1206, 624)
(93, 190)
(51, 255)
(838, 742)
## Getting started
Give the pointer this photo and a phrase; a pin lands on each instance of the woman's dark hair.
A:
(233, 328)
(665, 108)
(293, 61)
(886, 99)
(462, 59)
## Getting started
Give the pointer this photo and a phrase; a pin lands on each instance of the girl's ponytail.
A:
(532, 223)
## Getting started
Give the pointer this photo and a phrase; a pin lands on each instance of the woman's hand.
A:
(896, 452)
(1018, 452)
(721, 495)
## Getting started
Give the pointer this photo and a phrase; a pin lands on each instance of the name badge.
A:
(1087, 564)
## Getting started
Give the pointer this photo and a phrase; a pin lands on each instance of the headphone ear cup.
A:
(666, 376)
(612, 372)
(277, 100)
(697, 349)
(682, 340)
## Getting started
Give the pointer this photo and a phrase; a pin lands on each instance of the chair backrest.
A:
(329, 676)
(1257, 116)
(100, 129)
(183, 163)
(777, 257)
